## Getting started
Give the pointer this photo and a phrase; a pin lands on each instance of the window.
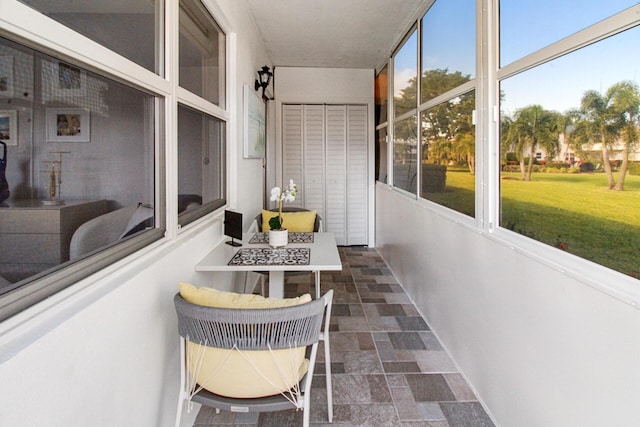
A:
(405, 127)
(405, 75)
(200, 163)
(79, 146)
(578, 107)
(447, 131)
(529, 26)
(381, 113)
(85, 162)
(382, 95)
(201, 128)
(381, 155)
(405, 150)
(202, 53)
(448, 154)
(133, 28)
(448, 33)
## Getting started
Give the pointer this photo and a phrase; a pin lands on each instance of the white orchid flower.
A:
(275, 194)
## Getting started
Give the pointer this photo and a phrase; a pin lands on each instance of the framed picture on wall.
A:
(9, 126)
(61, 81)
(254, 127)
(68, 125)
(6, 76)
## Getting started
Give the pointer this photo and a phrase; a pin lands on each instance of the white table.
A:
(324, 257)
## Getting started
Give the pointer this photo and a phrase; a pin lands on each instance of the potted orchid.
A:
(278, 235)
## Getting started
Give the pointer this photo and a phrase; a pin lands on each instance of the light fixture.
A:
(264, 77)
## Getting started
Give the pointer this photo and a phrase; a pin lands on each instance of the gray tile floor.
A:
(388, 367)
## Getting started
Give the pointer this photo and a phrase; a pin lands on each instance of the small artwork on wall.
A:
(9, 127)
(68, 125)
(6, 76)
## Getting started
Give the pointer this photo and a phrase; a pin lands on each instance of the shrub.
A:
(434, 178)
(634, 168)
(587, 167)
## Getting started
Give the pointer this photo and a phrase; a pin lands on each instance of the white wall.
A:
(300, 85)
(104, 352)
(540, 348)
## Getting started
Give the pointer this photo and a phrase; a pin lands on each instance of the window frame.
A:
(24, 25)
(223, 113)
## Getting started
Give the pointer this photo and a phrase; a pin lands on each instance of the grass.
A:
(576, 212)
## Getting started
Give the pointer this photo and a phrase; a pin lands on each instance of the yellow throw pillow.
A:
(292, 221)
(243, 374)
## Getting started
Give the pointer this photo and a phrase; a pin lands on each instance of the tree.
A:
(625, 99)
(609, 119)
(532, 127)
(595, 126)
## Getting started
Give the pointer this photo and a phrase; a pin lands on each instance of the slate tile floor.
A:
(388, 367)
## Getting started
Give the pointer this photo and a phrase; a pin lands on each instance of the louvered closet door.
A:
(336, 169)
(313, 153)
(292, 148)
(357, 199)
(325, 152)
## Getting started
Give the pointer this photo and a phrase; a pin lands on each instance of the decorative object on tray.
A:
(294, 237)
(278, 235)
(270, 256)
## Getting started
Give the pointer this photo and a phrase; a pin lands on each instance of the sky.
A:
(526, 26)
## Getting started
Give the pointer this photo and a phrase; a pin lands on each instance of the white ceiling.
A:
(332, 33)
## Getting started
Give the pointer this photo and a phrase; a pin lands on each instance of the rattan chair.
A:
(247, 330)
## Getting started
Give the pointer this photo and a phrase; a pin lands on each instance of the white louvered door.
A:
(292, 137)
(325, 151)
(336, 172)
(313, 168)
(357, 175)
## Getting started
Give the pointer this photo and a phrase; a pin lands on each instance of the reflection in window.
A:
(79, 165)
(569, 153)
(200, 162)
(381, 155)
(448, 154)
(526, 27)
(202, 53)
(405, 147)
(382, 96)
(448, 47)
(405, 74)
(132, 28)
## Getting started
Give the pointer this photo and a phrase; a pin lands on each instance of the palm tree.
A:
(597, 126)
(625, 103)
(533, 127)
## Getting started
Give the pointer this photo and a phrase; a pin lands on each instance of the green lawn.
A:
(575, 211)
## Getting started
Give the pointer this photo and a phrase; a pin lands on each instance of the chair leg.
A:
(182, 394)
(317, 274)
(327, 367)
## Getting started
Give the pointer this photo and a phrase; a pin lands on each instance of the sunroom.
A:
(502, 195)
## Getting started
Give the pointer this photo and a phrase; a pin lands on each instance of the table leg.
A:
(276, 284)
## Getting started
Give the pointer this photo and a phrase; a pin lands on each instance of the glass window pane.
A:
(527, 26)
(381, 95)
(448, 154)
(381, 155)
(448, 47)
(133, 29)
(79, 163)
(405, 150)
(202, 53)
(577, 118)
(405, 74)
(200, 161)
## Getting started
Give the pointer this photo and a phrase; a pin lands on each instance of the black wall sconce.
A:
(264, 77)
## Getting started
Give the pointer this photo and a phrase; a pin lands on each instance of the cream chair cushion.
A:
(243, 374)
